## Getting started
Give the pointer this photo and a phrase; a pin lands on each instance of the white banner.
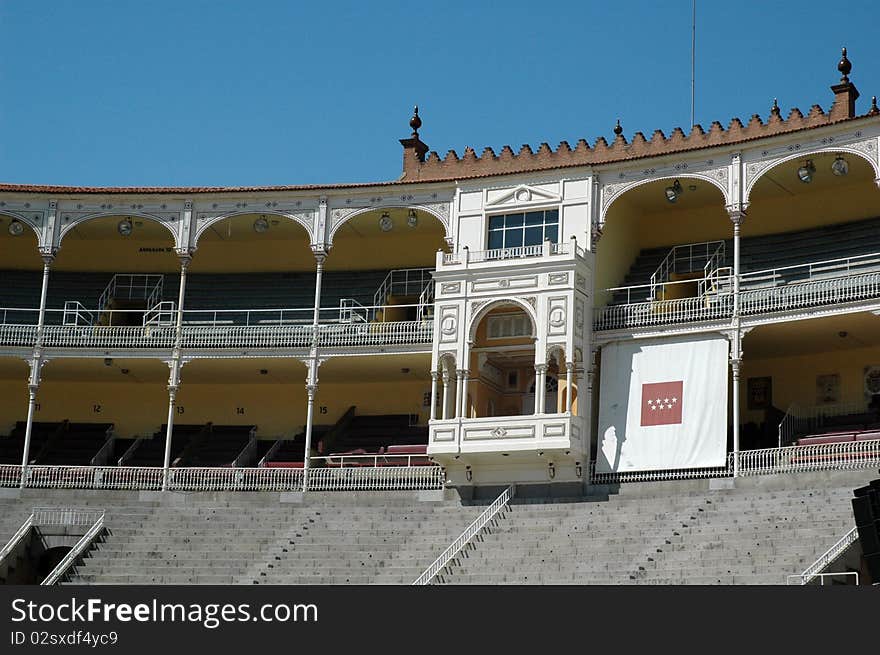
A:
(663, 405)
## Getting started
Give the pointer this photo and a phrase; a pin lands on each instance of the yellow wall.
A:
(253, 256)
(19, 253)
(140, 408)
(807, 210)
(117, 255)
(794, 378)
(385, 251)
(617, 249)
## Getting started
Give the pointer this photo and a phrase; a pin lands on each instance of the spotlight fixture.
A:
(108, 361)
(124, 227)
(264, 371)
(261, 225)
(674, 191)
(843, 334)
(839, 166)
(385, 222)
(805, 172)
(578, 469)
(551, 470)
(412, 220)
(468, 474)
(124, 371)
(16, 228)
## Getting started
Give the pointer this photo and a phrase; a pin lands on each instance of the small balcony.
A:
(505, 434)
(465, 258)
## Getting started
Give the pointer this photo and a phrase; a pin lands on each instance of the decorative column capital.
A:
(737, 212)
(540, 368)
(184, 256)
(435, 375)
(48, 254)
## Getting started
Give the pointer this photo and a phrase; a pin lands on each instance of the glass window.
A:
(523, 228)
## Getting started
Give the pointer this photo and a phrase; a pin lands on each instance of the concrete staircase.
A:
(695, 532)
(227, 538)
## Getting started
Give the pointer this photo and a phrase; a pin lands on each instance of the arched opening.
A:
(659, 239)
(818, 207)
(502, 363)
(260, 264)
(110, 270)
(446, 371)
(20, 272)
(381, 262)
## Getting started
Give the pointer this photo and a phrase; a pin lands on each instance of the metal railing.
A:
(402, 282)
(162, 314)
(375, 460)
(132, 286)
(227, 478)
(75, 313)
(799, 420)
(351, 311)
(426, 302)
(661, 312)
(688, 258)
(106, 450)
(795, 579)
(68, 516)
(810, 293)
(478, 525)
(847, 456)
(827, 558)
(376, 334)
(75, 553)
(16, 539)
(810, 271)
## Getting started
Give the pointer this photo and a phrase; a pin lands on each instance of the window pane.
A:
(514, 220)
(551, 232)
(513, 238)
(552, 216)
(496, 239)
(535, 218)
(496, 222)
(533, 236)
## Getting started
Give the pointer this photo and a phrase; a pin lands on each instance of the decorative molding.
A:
(524, 194)
(558, 278)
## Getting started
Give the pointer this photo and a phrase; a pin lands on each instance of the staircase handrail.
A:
(829, 556)
(103, 455)
(75, 314)
(130, 451)
(465, 537)
(193, 444)
(160, 314)
(248, 453)
(51, 440)
(20, 534)
(75, 553)
(271, 452)
(333, 433)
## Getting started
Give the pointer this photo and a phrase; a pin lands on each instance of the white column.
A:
(36, 362)
(312, 380)
(444, 413)
(173, 386)
(540, 387)
(569, 385)
(465, 374)
(185, 258)
(433, 395)
(737, 216)
(735, 364)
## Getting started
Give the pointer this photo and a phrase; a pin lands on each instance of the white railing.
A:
(816, 568)
(132, 286)
(382, 478)
(795, 579)
(465, 537)
(376, 334)
(19, 535)
(162, 314)
(360, 478)
(860, 286)
(810, 293)
(351, 311)
(696, 256)
(44, 516)
(249, 453)
(235, 336)
(402, 282)
(828, 268)
(661, 312)
(18, 335)
(75, 553)
(847, 456)
(375, 460)
(75, 313)
(105, 451)
(517, 252)
(107, 336)
(800, 421)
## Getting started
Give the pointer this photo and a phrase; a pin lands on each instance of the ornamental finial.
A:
(844, 66)
(415, 122)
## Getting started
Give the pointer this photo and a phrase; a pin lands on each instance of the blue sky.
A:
(199, 92)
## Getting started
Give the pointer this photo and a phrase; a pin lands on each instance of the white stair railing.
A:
(465, 537)
(827, 558)
(75, 553)
(17, 538)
